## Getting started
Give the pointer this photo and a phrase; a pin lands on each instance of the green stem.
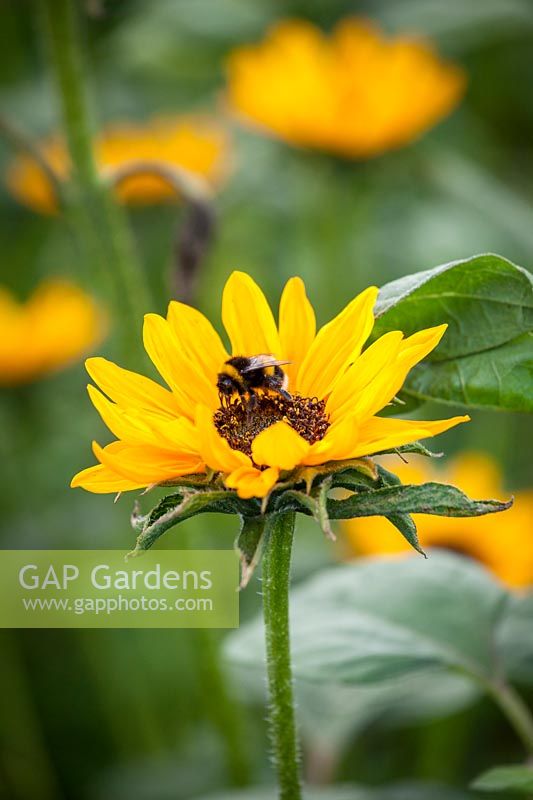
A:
(276, 579)
(516, 711)
(98, 219)
(65, 49)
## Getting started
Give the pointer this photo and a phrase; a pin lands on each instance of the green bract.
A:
(369, 490)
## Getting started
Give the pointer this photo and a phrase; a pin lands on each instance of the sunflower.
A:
(504, 546)
(196, 144)
(355, 93)
(57, 325)
(251, 442)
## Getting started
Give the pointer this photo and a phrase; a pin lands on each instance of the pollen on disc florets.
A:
(241, 419)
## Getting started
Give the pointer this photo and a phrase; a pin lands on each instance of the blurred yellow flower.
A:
(355, 92)
(504, 545)
(254, 438)
(196, 144)
(57, 325)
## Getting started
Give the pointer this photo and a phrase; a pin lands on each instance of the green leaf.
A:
(501, 378)
(187, 503)
(407, 527)
(379, 619)
(484, 359)
(486, 301)
(294, 500)
(331, 714)
(513, 778)
(425, 695)
(402, 522)
(352, 479)
(249, 545)
(426, 498)
(331, 709)
(514, 641)
(395, 502)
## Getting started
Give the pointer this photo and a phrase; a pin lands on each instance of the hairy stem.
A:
(276, 579)
(98, 220)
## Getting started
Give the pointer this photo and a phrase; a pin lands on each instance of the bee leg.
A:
(284, 393)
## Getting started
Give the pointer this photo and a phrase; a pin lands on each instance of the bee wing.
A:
(262, 361)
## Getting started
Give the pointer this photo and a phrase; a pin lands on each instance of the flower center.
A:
(244, 417)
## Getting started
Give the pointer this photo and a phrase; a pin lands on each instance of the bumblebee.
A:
(244, 376)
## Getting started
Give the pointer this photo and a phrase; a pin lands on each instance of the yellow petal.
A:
(355, 92)
(197, 337)
(247, 318)
(349, 390)
(176, 434)
(197, 144)
(129, 389)
(279, 446)
(188, 382)
(33, 342)
(122, 425)
(384, 434)
(297, 327)
(391, 378)
(337, 444)
(251, 482)
(145, 464)
(102, 480)
(145, 427)
(214, 449)
(337, 345)
(421, 343)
